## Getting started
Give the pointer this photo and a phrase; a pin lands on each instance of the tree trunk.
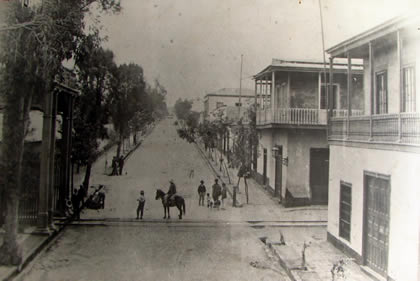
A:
(14, 123)
(87, 176)
(119, 145)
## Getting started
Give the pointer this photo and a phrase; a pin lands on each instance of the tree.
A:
(34, 43)
(126, 94)
(94, 67)
(244, 145)
(183, 109)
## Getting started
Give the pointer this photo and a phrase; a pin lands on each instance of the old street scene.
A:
(209, 140)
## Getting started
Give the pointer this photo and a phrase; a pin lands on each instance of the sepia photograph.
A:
(209, 140)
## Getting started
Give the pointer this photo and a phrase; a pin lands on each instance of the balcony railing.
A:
(393, 128)
(292, 116)
(343, 112)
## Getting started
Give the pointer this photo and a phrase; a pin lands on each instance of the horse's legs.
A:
(180, 211)
(169, 214)
(164, 209)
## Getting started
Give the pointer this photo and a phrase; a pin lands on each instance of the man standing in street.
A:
(217, 191)
(201, 193)
(140, 208)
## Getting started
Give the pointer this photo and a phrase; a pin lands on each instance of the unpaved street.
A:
(111, 244)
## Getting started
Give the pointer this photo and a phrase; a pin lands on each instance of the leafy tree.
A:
(183, 109)
(33, 45)
(127, 92)
(95, 67)
(158, 94)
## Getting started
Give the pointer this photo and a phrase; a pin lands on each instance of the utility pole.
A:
(240, 90)
(327, 88)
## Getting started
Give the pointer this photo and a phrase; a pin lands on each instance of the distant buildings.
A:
(226, 97)
(373, 209)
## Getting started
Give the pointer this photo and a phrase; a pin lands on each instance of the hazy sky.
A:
(194, 46)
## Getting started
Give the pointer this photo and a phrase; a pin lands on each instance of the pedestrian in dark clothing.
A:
(140, 207)
(75, 200)
(114, 166)
(224, 195)
(121, 164)
(81, 194)
(201, 193)
(217, 190)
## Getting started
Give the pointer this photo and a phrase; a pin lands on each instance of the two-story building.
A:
(292, 116)
(373, 209)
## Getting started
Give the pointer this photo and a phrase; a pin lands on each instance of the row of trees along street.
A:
(35, 41)
(243, 134)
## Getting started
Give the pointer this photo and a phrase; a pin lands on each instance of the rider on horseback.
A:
(171, 191)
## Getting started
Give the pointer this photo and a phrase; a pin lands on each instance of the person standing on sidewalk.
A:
(75, 200)
(201, 193)
(140, 207)
(121, 164)
(224, 195)
(216, 192)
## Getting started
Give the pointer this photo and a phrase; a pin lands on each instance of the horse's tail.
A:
(183, 206)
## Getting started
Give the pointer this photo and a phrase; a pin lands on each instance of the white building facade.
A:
(373, 209)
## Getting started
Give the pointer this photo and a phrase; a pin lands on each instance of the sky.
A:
(194, 46)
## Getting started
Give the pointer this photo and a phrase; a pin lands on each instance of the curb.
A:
(139, 142)
(282, 263)
(238, 203)
(31, 256)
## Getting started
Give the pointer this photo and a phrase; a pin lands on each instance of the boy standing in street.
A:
(140, 208)
(201, 193)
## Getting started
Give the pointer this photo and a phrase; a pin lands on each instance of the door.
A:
(278, 178)
(318, 175)
(323, 103)
(265, 167)
(376, 225)
(381, 93)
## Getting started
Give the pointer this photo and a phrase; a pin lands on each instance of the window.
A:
(409, 90)
(323, 97)
(381, 93)
(219, 104)
(345, 210)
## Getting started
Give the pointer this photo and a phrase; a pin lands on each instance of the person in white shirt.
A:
(140, 208)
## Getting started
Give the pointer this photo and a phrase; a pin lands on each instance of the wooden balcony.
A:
(292, 117)
(403, 128)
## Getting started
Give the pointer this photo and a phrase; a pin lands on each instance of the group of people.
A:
(218, 195)
(117, 165)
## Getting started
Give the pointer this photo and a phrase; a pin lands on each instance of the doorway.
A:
(265, 167)
(318, 175)
(376, 222)
(279, 171)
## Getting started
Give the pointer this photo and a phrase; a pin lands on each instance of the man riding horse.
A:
(172, 190)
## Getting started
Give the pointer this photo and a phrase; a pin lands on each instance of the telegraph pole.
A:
(240, 90)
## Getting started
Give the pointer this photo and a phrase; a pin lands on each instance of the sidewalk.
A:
(320, 255)
(31, 243)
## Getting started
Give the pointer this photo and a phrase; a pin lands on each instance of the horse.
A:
(176, 200)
